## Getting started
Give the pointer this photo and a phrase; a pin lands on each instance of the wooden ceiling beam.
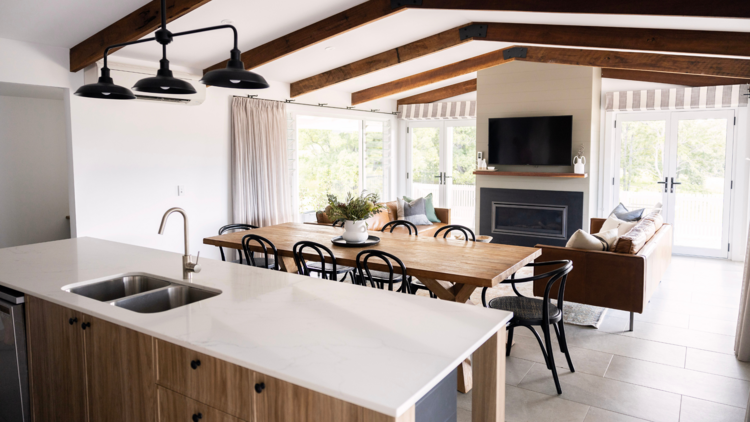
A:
(667, 40)
(416, 49)
(670, 78)
(130, 28)
(698, 8)
(441, 93)
(362, 14)
(453, 70)
(689, 65)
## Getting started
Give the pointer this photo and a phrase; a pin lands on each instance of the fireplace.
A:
(529, 217)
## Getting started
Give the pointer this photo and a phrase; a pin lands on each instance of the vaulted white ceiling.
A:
(68, 22)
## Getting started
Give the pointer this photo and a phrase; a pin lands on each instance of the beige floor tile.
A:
(616, 396)
(726, 313)
(694, 410)
(719, 389)
(464, 401)
(709, 325)
(671, 319)
(529, 406)
(600, 415)
(726, 299)
(632, 347)
(463, 415)
(683, 337)
(717, 363)
(516, 369)
(584, 360)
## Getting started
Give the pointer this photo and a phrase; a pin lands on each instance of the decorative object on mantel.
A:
(439, 111)
(722, 96)
(234, 76)
(579, 162)
(530, 174)
(355, 210)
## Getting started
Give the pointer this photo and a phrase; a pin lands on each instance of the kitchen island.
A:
(271, 346)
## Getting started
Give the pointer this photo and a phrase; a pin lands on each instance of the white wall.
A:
(33, 171)
(520, 89)
(34, 64)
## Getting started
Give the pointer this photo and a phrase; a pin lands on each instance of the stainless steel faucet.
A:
(188, 266)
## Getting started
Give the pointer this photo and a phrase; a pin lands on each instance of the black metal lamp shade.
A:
(105, 89)
(234, 76)
(164, 83)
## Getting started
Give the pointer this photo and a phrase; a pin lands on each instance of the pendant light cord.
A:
(164, 14)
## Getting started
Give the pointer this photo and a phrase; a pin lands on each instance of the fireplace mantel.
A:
(530, 174)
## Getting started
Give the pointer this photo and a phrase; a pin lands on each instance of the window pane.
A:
(425, 162)
(329, 158)
(463, 141)
(642, 163)
(374, 174)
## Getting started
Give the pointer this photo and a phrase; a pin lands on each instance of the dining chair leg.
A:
(551, 358)
(510, 340)
(541, 345)
(563, 343)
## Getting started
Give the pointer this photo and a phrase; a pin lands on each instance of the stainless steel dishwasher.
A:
(14, 376)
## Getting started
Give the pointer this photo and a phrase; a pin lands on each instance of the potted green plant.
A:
(355, 210)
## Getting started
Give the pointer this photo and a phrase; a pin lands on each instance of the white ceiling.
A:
(67, 22)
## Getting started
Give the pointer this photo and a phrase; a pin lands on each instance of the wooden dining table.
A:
(452, 269)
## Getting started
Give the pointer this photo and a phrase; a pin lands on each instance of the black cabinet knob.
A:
(260, 387)
(195, 364)
(197, 417)
(72, 321)
(85, 325)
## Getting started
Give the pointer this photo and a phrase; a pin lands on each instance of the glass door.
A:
(681, 159)
(442, 160)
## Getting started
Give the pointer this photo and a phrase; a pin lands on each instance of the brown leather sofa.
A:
(609, 279)
(379, 220)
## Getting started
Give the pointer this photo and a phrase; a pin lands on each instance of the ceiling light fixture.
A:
(234, 76)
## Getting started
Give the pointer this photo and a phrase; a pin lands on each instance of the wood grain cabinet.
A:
(85, 369)
(174, 407)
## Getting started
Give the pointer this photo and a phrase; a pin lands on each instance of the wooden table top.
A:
(458, 261)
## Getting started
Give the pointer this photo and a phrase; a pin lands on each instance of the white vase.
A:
(579, 164)
(355, 231)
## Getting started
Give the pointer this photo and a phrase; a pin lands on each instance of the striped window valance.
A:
(722, 96)
(439, 111)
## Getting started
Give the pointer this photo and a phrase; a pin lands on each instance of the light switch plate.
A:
(180, 190)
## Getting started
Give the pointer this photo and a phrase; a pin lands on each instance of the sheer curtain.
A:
(261, 188)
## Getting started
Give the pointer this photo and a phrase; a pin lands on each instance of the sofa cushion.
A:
(413, 212)
(592, 242)
(622, 227)
(429, 207)
(634, 240)
(377, 221)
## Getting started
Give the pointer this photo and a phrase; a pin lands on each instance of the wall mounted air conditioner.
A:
(127, 75)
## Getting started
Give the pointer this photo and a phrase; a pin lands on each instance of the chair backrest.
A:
(299, 259)
(363, 269)
(232, 227)
(395, 223)
(339, 223)
(468, 234)
(262, 241)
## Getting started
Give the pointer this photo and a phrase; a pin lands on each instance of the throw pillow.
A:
(429, 208)
(622, 227)
(609, 237)
(413, 212)
(583, 240)
(634, 240)
(622, 213)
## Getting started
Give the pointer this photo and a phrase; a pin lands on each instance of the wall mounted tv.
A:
(535, 141)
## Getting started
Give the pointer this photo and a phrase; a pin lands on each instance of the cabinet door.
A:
(57, 372)
(120, 371)
(174, 407)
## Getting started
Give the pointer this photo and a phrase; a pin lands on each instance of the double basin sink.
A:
(143, 293)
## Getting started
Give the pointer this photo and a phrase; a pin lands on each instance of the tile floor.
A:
(677, 366)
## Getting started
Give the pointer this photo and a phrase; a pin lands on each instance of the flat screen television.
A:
(534, 141)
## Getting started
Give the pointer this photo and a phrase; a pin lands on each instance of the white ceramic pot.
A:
(579, 164)
(355, 231)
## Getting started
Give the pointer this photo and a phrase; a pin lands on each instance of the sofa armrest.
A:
(598, 278)
(443, 214)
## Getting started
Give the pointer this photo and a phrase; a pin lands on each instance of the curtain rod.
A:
(323, 105)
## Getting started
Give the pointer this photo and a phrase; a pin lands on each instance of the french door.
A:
(681, 159)
(441, 159)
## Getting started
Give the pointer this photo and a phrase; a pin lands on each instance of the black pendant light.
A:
(234, 76)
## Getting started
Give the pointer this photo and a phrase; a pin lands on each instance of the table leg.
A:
(488, 398)
(464, 376)
(287, 264)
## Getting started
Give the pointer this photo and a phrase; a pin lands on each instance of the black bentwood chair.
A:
(396, 223)
(468, 234)
(331, 271)
(339, 223)
(233, 227)
(365, 274)
(264, 262)
(528, 312)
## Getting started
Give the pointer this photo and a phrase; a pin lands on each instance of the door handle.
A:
(440, 176)
(665, 183)
(671, 188)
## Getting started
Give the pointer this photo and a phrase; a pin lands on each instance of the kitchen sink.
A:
(120, 287)
(143, 293)
(165, 299)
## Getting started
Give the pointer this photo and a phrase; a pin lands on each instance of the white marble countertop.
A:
(377, 349)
